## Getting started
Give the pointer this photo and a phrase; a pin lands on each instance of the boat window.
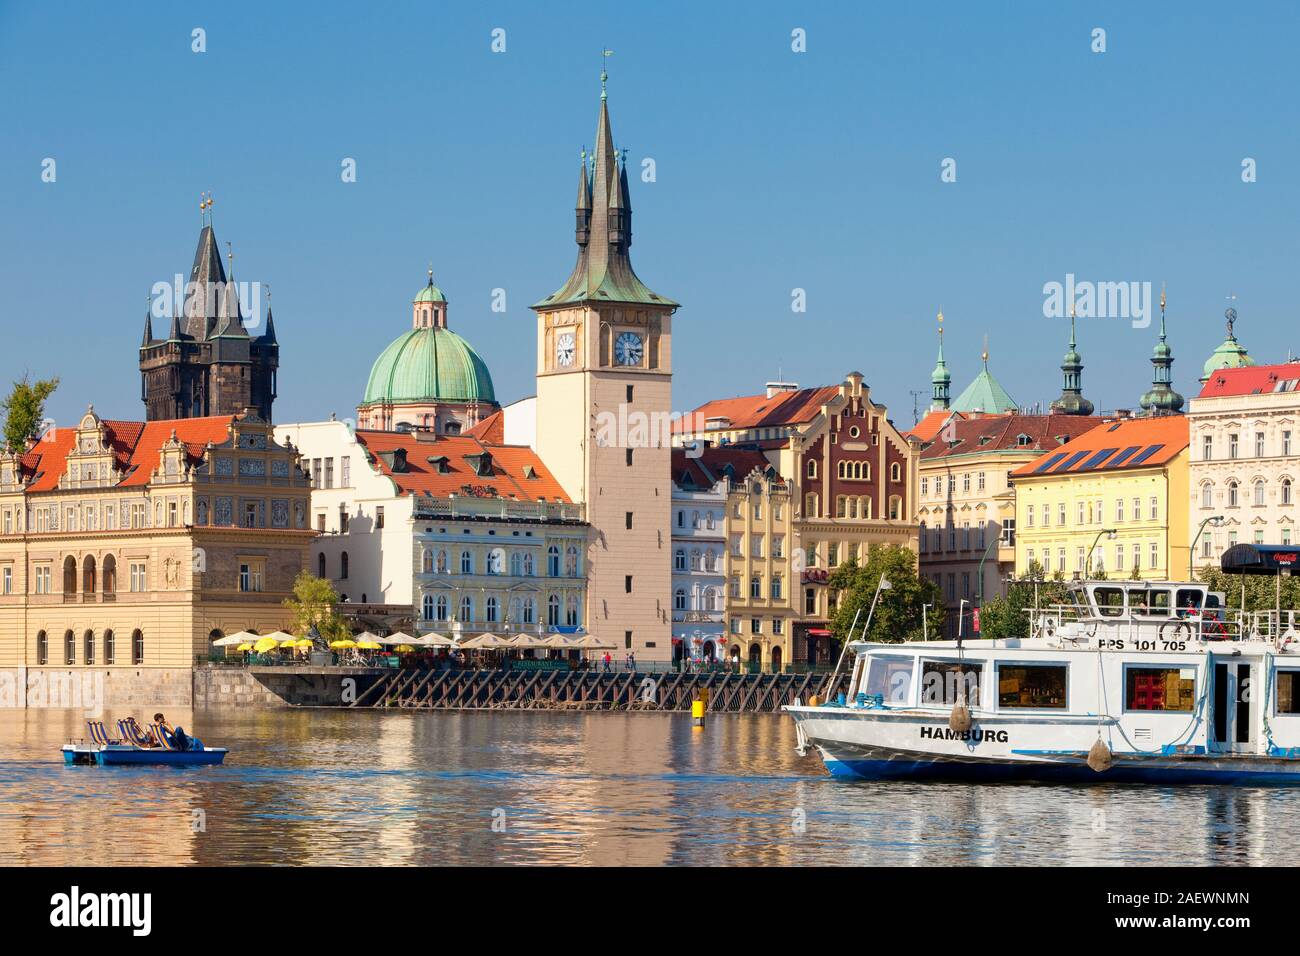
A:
(1288, 692)
(1160, 688)
(891, 678)
(1150, 602)
(1189, 599)
(943, 681)
(1110, 601)
(1032, 685)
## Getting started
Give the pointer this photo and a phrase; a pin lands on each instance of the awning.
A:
(818, 632)
(1260, 559)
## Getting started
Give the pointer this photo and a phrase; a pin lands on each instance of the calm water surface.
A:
(332, 787)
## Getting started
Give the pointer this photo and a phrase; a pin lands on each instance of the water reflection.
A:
(329, 787)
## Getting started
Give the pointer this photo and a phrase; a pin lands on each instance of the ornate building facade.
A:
(127, 547)
(209, 363)
(604, 382)
(1245, 458)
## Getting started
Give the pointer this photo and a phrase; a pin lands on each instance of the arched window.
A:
(343, 565)
(110, 577)
(528, 564)
(320, 565)
(426, 609)
(1207, 495)
(466, 612)
(69, 576)
(695, 559)
(516, 563)
(426, 562)
(69, 647)
(756, 587)
(42, 648)
(679, 599)
(495, 561)
(89, 647)
(776, 589)
(1232, 494)
(553, 561)
(110, 647)
(442, 607)
(571, 561)
(553, 610)
(709, 597)
(1286, 491)
(490, 610)
(895, 472)
(812, 467)
(571, 611)
(1259, 493)
(530, 610)
(441, 564)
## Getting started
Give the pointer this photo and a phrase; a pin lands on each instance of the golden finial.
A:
(1162, 297)
(985, 354)
(941, 320)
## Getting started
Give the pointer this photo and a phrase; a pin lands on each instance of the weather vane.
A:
(603, 75)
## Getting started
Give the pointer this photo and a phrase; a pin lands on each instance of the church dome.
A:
(431, 364)
(430, 293)
(1229, 354)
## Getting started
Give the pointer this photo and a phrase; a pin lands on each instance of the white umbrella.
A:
(526, 640)
(280, 636)
(559, 640)
(436, 640)
(243, 637)
(484, 641)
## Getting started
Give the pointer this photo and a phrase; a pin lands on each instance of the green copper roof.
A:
(1230, 354)
(985, 394)
(430, 293)
(429, 364)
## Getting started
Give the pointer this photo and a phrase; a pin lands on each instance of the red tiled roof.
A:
(491, 430)
(759, 411)
(1114, 445)
(510, 466)
(136, 447)
(704, 470)
(969, 436)
(1253, 380)
(929, 426)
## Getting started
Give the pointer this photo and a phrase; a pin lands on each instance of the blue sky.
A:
(775, 170)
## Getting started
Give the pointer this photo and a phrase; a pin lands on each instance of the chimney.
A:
(776, 388)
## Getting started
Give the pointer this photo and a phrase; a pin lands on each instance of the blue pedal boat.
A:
(138, 746)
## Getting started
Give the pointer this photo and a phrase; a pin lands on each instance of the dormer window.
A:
(481, 463)
(440, 464)
(1023, 440)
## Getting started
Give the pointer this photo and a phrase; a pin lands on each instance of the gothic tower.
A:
(1072, 401)
(209, 364)
(604, 396)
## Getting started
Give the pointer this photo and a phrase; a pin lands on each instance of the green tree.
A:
(1261, 589)
(898, 613)
(1008, 616)
(24, 411)
(314, 605)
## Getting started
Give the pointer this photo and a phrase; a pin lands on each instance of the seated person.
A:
(180, 740)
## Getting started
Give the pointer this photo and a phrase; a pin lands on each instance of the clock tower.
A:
(604, 401)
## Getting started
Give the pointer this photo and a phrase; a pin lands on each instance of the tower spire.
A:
(940, 379)
(148, 322)
(1161, 399)
(1072, 401)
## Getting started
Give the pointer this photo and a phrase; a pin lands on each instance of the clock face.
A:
(627, 349)
(564, 349)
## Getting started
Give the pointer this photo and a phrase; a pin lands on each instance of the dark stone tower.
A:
(208, 364)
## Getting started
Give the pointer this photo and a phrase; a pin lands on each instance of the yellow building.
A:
(127, 547)
(1113, 500)
(967, 507)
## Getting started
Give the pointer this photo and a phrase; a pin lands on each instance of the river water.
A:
(379, 788)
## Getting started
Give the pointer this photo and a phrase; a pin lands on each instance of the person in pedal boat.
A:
(179, 738)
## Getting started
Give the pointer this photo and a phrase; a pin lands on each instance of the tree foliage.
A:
(898, 613)
(314, 605)
(24, 410)
(1261, 589)
(1007, 616)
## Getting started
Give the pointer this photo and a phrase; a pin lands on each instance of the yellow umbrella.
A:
(404, 648)
(266, 644)
(291, 642)
(244, 647)
(367, 645)
(342, 645)
(304, 643)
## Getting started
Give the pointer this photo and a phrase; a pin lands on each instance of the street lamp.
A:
(1214, 521)
(925, 631)
(1104, 532)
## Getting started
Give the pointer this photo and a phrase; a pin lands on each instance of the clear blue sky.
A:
(776, 170)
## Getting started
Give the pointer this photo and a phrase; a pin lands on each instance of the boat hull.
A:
(892, 745)
(115, 755)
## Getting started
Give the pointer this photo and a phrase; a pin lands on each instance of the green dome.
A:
(1230, 354)
(430, 293)
(429, 364)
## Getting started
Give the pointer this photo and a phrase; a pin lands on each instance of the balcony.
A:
(501, 509)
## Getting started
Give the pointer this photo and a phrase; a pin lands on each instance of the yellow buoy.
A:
(697, 712)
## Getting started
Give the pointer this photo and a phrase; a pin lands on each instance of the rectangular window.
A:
(1154, 513)
(1288, 692)
(379, 517)
(139, 581)
(250, 576)
(1286, 443)
(629, 457)
(1160, 688)
(1036, 686)
(628, 520)
(778, 625)
(627, 635)
(8, 580)
(627, 583)
(943, 683)
(1232, 446)
(1119, 509)
(756, 625)
(891, 678)
(329, 472)
(345, 464)
(1259, 444)
(1207, 448)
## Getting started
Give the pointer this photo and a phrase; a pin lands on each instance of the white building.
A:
(1245, 458)
(461, 534)
(699, 546)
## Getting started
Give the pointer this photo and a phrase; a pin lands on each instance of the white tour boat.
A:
(1134, 681)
